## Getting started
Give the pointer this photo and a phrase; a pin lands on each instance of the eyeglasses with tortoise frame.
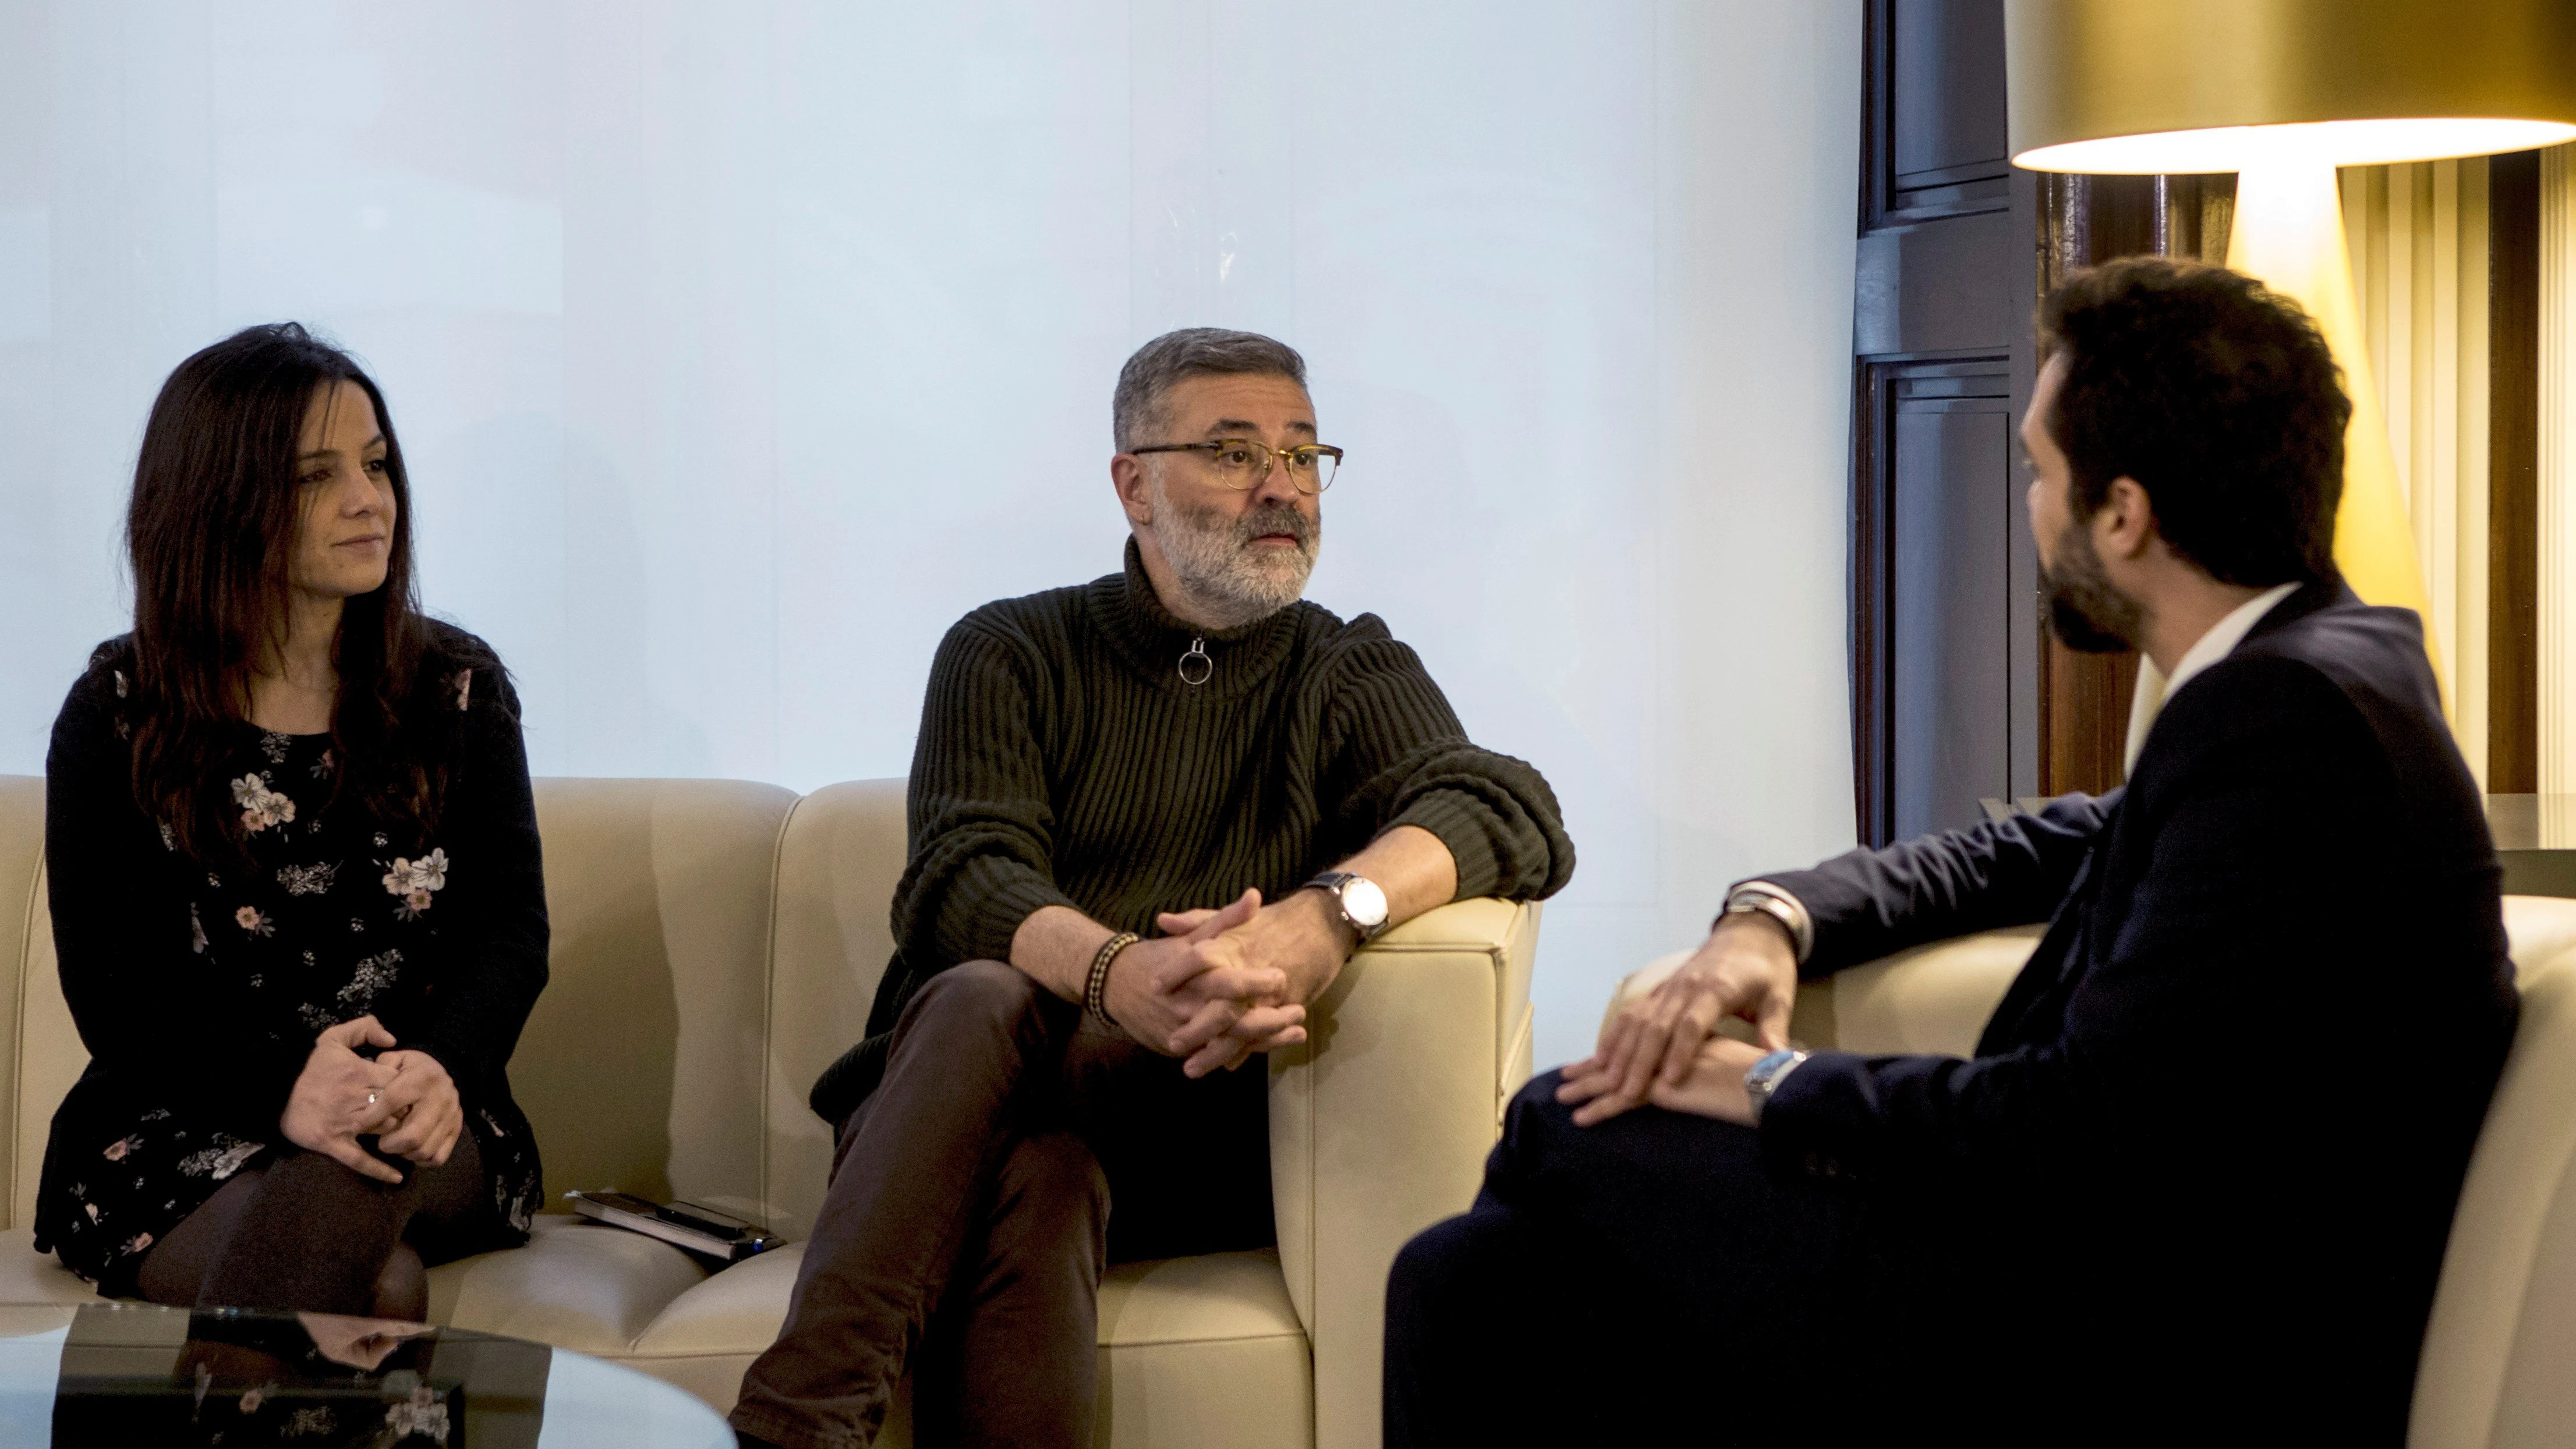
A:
(1242, 464)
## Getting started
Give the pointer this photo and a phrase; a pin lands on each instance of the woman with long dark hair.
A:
(293, 867)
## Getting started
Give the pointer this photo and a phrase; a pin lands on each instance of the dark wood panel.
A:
(1949, 516)
(1934, 512)
(1872, 437)
(1933, 137)
(2086, 709)
(1944, 286)
(1947, 74)
(2024, 625)
(2513, 480)
(1945, 690)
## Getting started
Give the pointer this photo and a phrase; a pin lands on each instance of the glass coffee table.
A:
(136, 1374)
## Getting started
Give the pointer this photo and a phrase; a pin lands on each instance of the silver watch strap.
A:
(1788, 910)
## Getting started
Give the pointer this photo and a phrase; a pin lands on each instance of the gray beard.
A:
(1212, 557)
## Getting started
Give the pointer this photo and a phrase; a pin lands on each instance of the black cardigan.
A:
(198, 985)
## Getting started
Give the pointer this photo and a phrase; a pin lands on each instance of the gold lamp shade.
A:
(2139, 86)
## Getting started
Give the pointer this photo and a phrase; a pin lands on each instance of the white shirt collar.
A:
(2148, 700)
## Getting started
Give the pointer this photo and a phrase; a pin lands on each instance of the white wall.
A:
(738, 349)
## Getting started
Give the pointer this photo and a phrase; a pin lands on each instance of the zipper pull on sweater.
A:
(1195, 665)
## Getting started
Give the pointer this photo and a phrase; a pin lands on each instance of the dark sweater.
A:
(1063, 761)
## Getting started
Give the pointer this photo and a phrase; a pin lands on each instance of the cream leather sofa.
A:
(2499, 1364)
(716, 943)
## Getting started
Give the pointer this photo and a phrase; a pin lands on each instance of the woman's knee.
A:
(312, 1175)
(402, 1286)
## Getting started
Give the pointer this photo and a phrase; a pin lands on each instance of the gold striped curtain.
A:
(2418, 236)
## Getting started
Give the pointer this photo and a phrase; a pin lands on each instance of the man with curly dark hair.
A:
(2195, 1183)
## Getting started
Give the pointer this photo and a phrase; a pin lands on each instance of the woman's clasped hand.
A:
(405, 1099)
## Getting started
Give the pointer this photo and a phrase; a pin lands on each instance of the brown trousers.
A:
(970, 1215)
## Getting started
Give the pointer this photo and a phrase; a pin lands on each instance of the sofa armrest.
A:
(1933, 998)
(1380, 1123)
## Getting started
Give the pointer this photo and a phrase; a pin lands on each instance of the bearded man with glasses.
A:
(1152, 816)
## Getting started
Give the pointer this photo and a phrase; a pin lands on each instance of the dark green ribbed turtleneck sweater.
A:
(1064, 761)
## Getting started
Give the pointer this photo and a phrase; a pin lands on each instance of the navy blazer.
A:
(2214, 1132)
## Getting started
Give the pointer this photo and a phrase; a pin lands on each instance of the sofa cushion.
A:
(577, 1285)
(838, 861)
(2494, 1370)
(22, 858)
(737, 1310)
(640, 1068)
(27, 1276)
(1169, 1329)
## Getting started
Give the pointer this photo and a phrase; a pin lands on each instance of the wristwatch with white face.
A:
(1356, 897)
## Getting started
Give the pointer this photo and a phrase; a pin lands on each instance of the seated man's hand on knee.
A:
(1747, 968)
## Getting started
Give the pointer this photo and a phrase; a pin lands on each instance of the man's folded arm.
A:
(1865, 904)
(982, 856)
(1404, 759)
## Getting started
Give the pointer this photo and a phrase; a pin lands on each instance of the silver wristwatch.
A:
(1356, 897)
(1764, 1077)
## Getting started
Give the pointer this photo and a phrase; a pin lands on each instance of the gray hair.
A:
(1175, 357)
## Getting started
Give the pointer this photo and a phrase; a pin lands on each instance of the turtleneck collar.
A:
(1155, 641)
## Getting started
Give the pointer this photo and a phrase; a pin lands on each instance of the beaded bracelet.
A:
(1095, 991)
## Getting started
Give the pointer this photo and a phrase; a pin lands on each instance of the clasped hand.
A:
(1220, 985)
(1662, 1047)
(405, 1097)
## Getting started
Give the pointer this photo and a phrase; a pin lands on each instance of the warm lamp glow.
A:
(2323, 143)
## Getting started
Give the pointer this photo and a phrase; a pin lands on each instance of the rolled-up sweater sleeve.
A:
(1408, 761)
(982, 825)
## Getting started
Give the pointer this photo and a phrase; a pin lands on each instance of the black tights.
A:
(307, 1234)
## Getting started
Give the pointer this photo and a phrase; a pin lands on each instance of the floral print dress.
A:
(199, 986)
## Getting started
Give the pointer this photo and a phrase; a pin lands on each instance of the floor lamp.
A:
(2282, 92)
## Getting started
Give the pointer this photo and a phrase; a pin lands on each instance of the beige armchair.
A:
(2494, 1373)
(716, 943)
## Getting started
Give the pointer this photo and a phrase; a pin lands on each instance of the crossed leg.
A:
(305, 1233)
